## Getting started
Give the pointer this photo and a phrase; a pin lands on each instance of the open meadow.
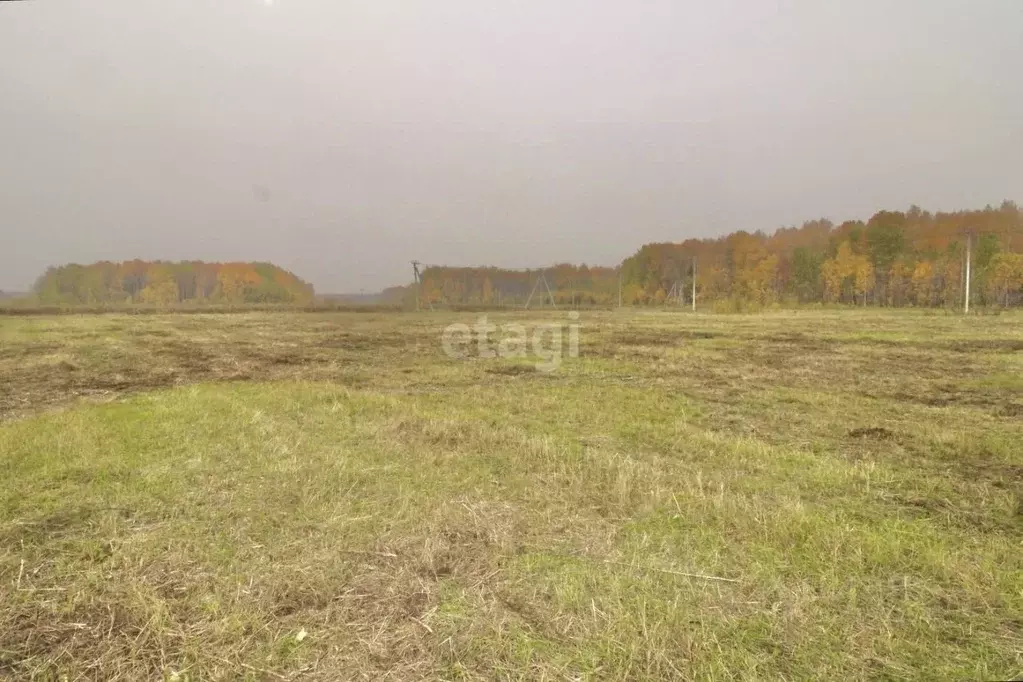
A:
(305, 496)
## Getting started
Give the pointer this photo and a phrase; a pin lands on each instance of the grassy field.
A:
(811, 495)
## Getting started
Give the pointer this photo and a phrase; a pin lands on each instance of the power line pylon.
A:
(541, 278)
(419, 283)
(677, 293)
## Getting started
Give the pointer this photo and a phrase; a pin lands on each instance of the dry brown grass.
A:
(232, 481)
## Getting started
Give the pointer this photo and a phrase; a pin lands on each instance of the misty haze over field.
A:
(342, 139)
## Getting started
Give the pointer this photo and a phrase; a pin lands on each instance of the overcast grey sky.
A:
(340, 139)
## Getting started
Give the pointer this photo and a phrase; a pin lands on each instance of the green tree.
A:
(806, 274)
(886, 240)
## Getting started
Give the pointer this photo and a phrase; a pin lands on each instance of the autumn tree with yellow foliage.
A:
(162, 283)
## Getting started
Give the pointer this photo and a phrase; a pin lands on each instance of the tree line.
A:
(911, 258)
(491, 286)
(166, 283)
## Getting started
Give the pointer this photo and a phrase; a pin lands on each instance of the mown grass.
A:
(328, 496)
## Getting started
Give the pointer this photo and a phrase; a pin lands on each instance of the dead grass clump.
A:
(511, 370)
(872, 432)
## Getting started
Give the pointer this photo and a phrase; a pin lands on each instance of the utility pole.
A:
(415, 273)
(969, 245)
(694, 284)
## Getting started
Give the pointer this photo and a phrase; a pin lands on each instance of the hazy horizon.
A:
(342, 140)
